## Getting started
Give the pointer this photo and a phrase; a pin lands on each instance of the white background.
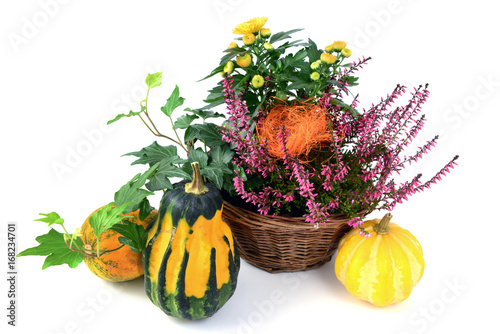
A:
(69, 66)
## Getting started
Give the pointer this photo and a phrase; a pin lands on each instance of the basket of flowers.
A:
(307, 165)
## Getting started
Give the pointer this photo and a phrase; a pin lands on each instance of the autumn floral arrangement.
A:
(299, 148)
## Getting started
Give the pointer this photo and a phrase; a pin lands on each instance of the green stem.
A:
(383, 226)
(92, 253)
(176, 134)
(196, 187)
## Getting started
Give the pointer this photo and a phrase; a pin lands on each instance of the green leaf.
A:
(160, 178)
(130, 114)
(50, 218)
(220, 155)
(107, 217)
(216, 93)
(190, 134)
(214, 174)
(154, 80)
(184, 121)
(312, 51)
(155, 153)
(231, 54)
(205, 114)
(145, 209)
(353, 111)
(215, 71)
(282, 35)
(208, 133)
(198, 155)
(131, 193)
(173, 102)
(53, 245)
(133, 235)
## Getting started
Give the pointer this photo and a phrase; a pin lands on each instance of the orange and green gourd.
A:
(383, 268)
(119, 265)
(191, 262)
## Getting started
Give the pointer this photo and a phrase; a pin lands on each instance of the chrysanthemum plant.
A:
(298, 147)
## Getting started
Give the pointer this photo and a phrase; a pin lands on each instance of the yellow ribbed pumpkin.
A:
(382, 269)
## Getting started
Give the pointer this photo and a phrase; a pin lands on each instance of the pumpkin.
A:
(383, 268)
(190, 261)
(119, 265)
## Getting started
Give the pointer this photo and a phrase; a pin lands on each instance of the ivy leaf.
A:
(154, 80)
(220, 155)
(51, 218)
(133, 235)
(208, 133)
(53, 245)
(130, 114)
(155, 153)
(145, 209)
(184, 121)
(173, 102)
(215, 174)
(131, 193)
(159, 179)
(107, 217)
(198, 155)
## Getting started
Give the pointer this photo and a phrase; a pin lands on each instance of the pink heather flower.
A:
(359, 172)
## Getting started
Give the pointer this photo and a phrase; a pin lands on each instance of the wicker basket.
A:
(283, 244)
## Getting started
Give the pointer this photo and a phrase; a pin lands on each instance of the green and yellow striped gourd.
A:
(191, 262)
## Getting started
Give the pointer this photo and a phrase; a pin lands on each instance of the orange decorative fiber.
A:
(307, 126)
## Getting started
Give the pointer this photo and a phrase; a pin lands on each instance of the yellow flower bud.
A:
(248, 39)
(268, 46)
(229, 67)
(257, 81)
(338, 45)
(244, 61)
(265, 32)
(328, 58)
(329, 48)
(315, 76)
(346, 52)
(315, 65)
(232, 45)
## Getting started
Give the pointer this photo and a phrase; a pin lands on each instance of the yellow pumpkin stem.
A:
(196, 187)
(383, 226)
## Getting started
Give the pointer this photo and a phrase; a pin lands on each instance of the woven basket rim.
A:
(293, 223)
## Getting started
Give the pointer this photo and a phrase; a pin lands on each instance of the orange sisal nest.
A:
(307, 126)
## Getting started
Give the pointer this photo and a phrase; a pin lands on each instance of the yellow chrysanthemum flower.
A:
(268, 46)
(329, 48)
(315, 76)
(346, 52)
(229, 67)
(338, 45)
(251, 26)
(258, 81)
(328, 58)
(265, 32)
(244, 61)
(315, 65)
(248, 39)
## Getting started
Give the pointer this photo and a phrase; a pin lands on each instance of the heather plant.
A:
(298, 147)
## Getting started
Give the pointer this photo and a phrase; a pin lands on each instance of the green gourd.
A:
(191, 262)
